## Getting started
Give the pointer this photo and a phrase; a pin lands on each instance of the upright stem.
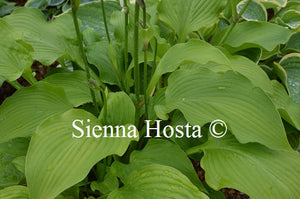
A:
(155, 57)
(235, 21)
(104, 19)
(82, 53)
(145, 62)
(136, 54)
(126, 35)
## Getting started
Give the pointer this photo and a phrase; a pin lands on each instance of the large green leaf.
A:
(75, 85)
(204, 96)
(90, 15)
(21, 113)
(9, 175)
(14, 192)
(157, 181)
(252, 34)
(160, 152)
(289, 110)
(56, 160)
(15, 56)
(50, 40)
(186, 16)
(186, 53)
(251, 168)
(291, 64)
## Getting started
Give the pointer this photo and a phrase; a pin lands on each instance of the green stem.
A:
(155, 57)
(82, 53)
(126, 43)
(104, 19)
(136, 54)
(145, 63)
(235, 21)
(15, 84)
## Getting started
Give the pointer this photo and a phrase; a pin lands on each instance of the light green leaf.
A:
(97, 54)
(75, 85)
(55, 156)
(22, 113)
(9, 175)
(186, 53)
(50, 40)
(252, 34)
(19, 163)
(14, 192)
(291, 64)
(251, 168)
(15, 56)
(90, 15)
(109, 184)
(230, 97)
(186, 16)
(274, 3)
(162, 152)
(291, 18)
(294, 42)
(157, 181)
(120, 110)
(289, 110)
(255, 11)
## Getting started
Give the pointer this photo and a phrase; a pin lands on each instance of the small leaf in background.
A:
(19, 163)
(230, 97)
(294, 43)
(161, 152)
(9, 175)
(15, 55)
(288, 109)
(255, 11)
(109, 184)
(273, 3)
(157, 181)
(251, 168)
(14, 192)
(291, 19)
(16, 147)
(6, 7)
(29, 107)
(54, 156)
(186, 16)
(252, 34)
(291, 64)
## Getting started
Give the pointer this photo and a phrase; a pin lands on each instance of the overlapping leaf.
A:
(204, 96)
(14, 192)
(253, 169)
(255, 11)
(28, 107)
(56, 160)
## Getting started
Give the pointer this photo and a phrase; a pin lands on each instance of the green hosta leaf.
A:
(55, 156)
(14, 192)
(15, 56)
(91, 16)
(204, 96)
(254, 12)
(2, 79)
(9, 175)
(120, 110)
(97, 54)
(254, 54)
(252, 34)
(186, 16)
(109, 184)
(186, 53)
(160, 152)
(19, 163)
(289, 110)
(16, 147)
(55, 2)
(157, 181)
(41, 4)
(251, 168)
(291, 18)
(291, 64)
(274, 3)
(50, 40)
(28, 107)
(75, 85)
(294, 42)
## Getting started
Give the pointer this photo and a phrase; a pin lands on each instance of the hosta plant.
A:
(120, 116)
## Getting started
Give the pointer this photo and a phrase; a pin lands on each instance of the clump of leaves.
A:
(122, 63)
